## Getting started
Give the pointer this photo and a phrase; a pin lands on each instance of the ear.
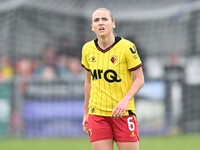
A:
(114, 25)
(92, 27)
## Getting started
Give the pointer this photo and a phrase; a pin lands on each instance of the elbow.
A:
(142, 81)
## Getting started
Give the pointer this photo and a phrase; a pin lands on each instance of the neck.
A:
(105, 42)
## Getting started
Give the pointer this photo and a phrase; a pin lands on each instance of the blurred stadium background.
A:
(41, 81)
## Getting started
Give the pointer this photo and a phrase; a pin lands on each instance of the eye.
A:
(96, 20)
(105, 19)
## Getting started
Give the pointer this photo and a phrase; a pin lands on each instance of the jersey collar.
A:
(117, 39)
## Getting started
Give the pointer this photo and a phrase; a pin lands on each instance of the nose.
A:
(100, 22)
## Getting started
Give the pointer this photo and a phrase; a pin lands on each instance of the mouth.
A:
(101, 28)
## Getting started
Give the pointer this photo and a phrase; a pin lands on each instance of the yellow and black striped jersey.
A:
(110, 74)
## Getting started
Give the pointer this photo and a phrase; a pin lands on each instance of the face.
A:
(102, 23)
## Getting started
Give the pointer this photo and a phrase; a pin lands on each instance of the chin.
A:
(102, 34)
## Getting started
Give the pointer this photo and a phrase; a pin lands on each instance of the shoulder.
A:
(88, 47)
(89, 44)
(127, 42)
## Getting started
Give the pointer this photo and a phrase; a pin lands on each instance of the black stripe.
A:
(131, 113)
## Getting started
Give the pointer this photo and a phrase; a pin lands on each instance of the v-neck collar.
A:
(117, 39)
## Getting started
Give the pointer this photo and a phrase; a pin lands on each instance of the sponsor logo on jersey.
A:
(109, 75)
(132, 134)
(93, 59)
(133, 50)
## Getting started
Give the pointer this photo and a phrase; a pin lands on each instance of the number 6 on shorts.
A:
(131, 124)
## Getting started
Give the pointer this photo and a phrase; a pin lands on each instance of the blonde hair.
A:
(105, 9)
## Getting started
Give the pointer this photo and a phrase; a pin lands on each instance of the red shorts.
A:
(124, 129)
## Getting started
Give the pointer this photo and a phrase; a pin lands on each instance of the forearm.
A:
(87, 87)
(137, 84)
(86, 103)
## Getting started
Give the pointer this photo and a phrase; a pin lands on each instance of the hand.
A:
(120, 108)
(85, 124)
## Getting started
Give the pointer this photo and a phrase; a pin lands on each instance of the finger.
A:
(85, 129)
(120, 112)
(114, 112)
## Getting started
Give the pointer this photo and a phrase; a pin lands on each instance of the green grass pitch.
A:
(184, 142)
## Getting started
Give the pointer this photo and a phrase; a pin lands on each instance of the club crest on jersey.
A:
(113, 59)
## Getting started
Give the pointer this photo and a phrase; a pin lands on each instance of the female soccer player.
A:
(113, 76)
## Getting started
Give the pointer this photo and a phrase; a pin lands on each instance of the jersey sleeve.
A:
(132, 57)
(84, 62)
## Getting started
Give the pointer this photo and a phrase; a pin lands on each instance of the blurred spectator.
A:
(47, 70)
(62, 64)
(64, 47)
(6, 68)
(24, 71)
(24, 68)
(23, 74)
(75, 73)
(49, 56)
(48, 74)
